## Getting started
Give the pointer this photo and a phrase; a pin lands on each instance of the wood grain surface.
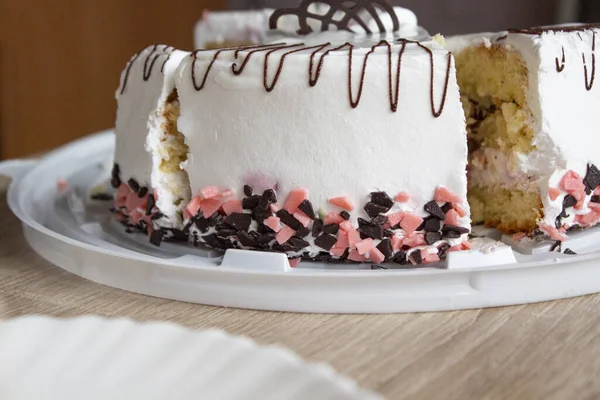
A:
(541, 351)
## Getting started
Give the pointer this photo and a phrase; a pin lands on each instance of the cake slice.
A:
(531, 100)
(152, 188)
(330, 151)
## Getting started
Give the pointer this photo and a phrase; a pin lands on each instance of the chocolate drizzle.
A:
(589, 83)
(314, 73)
(350, 9)
(149, 62)
(560, 66)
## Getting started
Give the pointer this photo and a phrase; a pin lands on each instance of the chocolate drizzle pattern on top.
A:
(149, 62)
(350, 10)
(589, 76)
(315, 73)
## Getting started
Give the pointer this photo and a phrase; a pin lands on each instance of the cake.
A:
(530, 97)
(330, 146)
(146, 172)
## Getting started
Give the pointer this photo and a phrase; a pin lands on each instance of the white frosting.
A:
(139, 124)
(565, 113)
(299, 136)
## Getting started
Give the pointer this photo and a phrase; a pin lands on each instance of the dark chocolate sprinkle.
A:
(374, 209)
(556, 245)
(442, 249)
(432, 224)
(323, 257)
(432, 237)
(451, 235)
(363, 222)
(595, 199)
(102, 197)
(212, 240)
(331, 228)
(262, 228)
(225, 233)
(385, 247)
(453, 228)
(115, 182)
(592, 178)
(416, 257)
(249, 203)
(255, 235)
(298, 243)
(373, 267)
(316, 228)
(260, 215)
(325, 241)
(288, 219)
(307, 208)
(372, 231)
(239, 221)
(266, 238)
(302, 232)
(246, 240)
(156, 216)
(569, 251)
(178, 235)
(263, 204)
(382, 199)
(569, 201)
(345, 214)
(282, 248)
(446, 207)
(150, 204)
(387, 233)
(379, 220)
(116, 171)
(202, 224)
(142, 192)
(248, 190)
(156, 237)
(435, 210)
(558, 220)
(134, 185)
(399, 257)
(270, 195)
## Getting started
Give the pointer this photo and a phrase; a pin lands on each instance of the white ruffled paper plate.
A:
(94, 358)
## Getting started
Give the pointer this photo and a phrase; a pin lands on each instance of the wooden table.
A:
(542, 351)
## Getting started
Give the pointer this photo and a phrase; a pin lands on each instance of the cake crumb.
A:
(440, 39)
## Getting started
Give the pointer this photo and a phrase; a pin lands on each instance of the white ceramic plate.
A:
(94, 358)
(80, 237)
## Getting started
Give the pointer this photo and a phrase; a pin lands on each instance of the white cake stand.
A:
(78, 235)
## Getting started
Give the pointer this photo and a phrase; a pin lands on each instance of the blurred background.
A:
(60, 60)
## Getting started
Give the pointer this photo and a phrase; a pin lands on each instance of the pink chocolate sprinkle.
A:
(571, 182)
(588, 219)
(451, 218)
(353, 237)
(342, 240)
(342, 202)
(594, 206)
(376, 256)
(553, 232)
(186, 214)
(133, 201)
(275, 208)
(553, 193)
(304, 220)
(519, 236)
(273, 223)
(402, 197)
(410, 222)
(136, 216)
(123, 191)
(285, 234)
(431, 258)
(232, 206)
(62, 185)
(225, 194)
(193, 206)
(395, 218)
(364, 246)
(459, 210)
(444, 195)
(397, 242)
(294, 262)
(457, 247)
(333, 218)
(414, 240)
(209, 207)
(294, 199)
(466, 245)
(347, 226)
(209, 192)
(337, 251)
(356, 257)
